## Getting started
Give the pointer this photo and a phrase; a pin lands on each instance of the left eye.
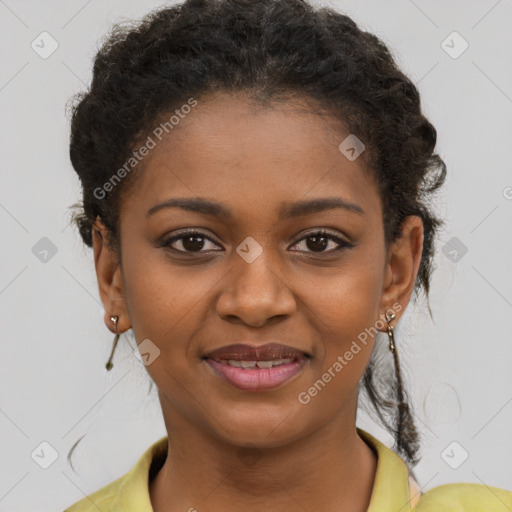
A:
(320, 240)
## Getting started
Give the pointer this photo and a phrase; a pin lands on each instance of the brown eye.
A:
(318, 241)
(190, 242)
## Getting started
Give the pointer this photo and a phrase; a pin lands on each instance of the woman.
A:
(257, 180)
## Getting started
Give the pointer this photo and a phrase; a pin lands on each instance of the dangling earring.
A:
(109, 364)
(390, 315)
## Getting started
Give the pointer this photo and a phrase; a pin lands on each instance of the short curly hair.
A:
(270, 50)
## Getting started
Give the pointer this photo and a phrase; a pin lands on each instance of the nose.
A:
(254, 293)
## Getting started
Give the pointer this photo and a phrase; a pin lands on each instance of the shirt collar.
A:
(391, 486)
(390, 489)
(133, 495)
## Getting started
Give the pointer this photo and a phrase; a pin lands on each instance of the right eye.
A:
(191, 241)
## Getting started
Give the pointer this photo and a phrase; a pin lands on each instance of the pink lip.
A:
(257, 379)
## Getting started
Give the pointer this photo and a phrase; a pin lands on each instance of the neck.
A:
(330, 470)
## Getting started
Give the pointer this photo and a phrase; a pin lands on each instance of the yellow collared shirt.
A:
(394, 489)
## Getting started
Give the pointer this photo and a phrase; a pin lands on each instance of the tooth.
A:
(248, 364)
(264, 364)
(272, 363)
(258, 364)
(278, 362)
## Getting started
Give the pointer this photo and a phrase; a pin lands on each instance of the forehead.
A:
(250, 156)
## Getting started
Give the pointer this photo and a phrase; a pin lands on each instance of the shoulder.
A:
(465, 497)
(129, 492)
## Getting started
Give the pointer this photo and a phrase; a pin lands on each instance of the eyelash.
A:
(194, 233)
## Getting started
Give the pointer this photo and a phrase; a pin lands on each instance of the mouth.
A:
(257, 368)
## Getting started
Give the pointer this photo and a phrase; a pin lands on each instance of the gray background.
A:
(54, 344)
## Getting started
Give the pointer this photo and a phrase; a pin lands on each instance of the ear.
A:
(404, 258)
(110, 279)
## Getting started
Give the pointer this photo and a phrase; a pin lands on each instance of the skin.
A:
(252, 159)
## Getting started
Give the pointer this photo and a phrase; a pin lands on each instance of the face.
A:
(256, 270)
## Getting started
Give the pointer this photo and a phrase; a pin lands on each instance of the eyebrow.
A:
(288, 210)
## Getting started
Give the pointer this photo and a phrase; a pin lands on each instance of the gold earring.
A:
(390, 315)
(109, 364)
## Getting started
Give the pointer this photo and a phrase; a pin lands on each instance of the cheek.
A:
(164, 299)
(346, 303)
(166, 305)
(345, 310)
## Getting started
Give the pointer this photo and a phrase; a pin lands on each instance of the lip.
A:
(261, 379)
(267, 352)
(257, 379)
